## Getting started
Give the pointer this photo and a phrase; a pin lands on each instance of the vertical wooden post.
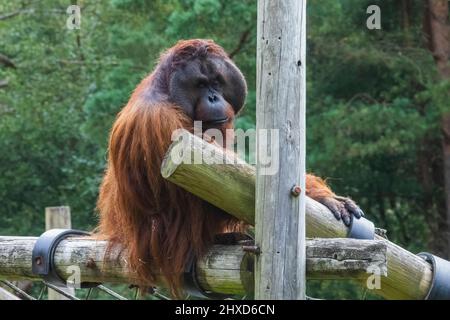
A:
(58, 217)
(280, 214)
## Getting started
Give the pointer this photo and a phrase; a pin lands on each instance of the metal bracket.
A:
(44, 252)
(361, 229)
(440, 286)
(193, 287)
(191, 284)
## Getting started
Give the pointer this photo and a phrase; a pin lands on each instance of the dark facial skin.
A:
(211, 90)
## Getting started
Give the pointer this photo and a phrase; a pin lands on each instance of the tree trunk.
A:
(437, 28)
(445, 125)
(405, 18)
(426, 174)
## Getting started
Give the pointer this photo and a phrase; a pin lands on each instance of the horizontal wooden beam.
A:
(225, 269)
(230, 185)
(228, 182)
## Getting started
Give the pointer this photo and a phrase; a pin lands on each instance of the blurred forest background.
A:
(376, 110)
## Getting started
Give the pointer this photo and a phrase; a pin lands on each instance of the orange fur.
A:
(317, 188)
(157, 222)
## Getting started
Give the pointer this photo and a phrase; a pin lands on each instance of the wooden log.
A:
(223, 169)
(225, 269)
(57, 217)
(232, 188)
(338, 258)
(280, 112)
(228, 182)
(409, 276)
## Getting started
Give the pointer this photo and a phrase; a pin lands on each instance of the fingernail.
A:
(346, 220)
(337, 216)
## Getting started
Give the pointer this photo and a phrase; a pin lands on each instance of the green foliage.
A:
(69, 84)
(374, 104)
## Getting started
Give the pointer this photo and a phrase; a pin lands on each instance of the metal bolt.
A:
(252, 249)
(296, 190)
(38, 261)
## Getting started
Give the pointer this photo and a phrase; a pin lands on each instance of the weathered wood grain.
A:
(225, 269)
(215, 181)
(280, 101)
(231, 187)
(409, 275)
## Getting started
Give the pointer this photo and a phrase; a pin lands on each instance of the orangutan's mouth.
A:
(212, 123)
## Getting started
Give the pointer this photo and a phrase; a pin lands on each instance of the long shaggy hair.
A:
(159, 224)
